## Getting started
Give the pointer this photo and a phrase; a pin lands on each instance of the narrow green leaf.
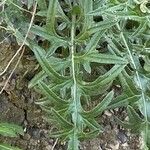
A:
(62, 121)
(147, 63)
(101, 10)
(101, 106)
(87, 6)
(53, 47)
(135, 127)
(99, 89)
(80, 38)
(20, 38)
(108, 9)
(43, 102)
(128, 84)
(148, 138)
(114, 45)
(104, 79)
(147, 105)
(8, 147)
(63, 134)
(103, 58)
(133, 116)
(38, 77)
(42, 13)
(51, 95)
(103, 25)
(51, 13)
(30, 3)
(94, 41)
(11, 130)
(91, 123)
(40, 55)
(131, 15)
(87, 67)
(7, 132)
(42, 4)
(60, 13)
(42, 32)
(140, 29)
(123, 100)
(87, 21)
(90, 135)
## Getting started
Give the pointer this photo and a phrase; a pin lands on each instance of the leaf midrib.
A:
(138, 79)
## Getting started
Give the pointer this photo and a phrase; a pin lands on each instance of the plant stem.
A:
(138, 80)
(73, 67)
(74, 88)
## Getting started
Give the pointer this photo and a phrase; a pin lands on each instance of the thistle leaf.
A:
(40, 55)
(62, 121)
(133, 126)
(91, 123)
(128, 84)
(105, 79)
(85, 45)
(42, 4)
(86, 5)
(101, 106)
(147, 64)
(103, 25)
(60, 13)
(103, 58)
(87, 67)
(11, 130)
(124, 100)
(133, 116)
(38, 77)
(42, 32)
(140, 29)
(101, 10)
(50, 94)
(94, 41)
(51, 13)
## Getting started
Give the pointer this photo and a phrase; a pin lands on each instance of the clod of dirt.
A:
(10, 113)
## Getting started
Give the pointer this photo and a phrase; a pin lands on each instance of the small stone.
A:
(35, 132)
(27, 136)
(107, 113)
(122, 136)
(115, 147)
(125, 144)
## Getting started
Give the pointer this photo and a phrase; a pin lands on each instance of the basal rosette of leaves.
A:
(73, 37)
(72, 34)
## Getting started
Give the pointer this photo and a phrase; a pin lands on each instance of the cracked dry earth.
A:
(17, 106)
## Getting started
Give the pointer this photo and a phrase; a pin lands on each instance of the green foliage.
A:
(8, 147)
(130, 32)
(73, 34)
(10, 130)
(63, 82)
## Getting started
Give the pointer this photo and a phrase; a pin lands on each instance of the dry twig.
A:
(20, 48)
